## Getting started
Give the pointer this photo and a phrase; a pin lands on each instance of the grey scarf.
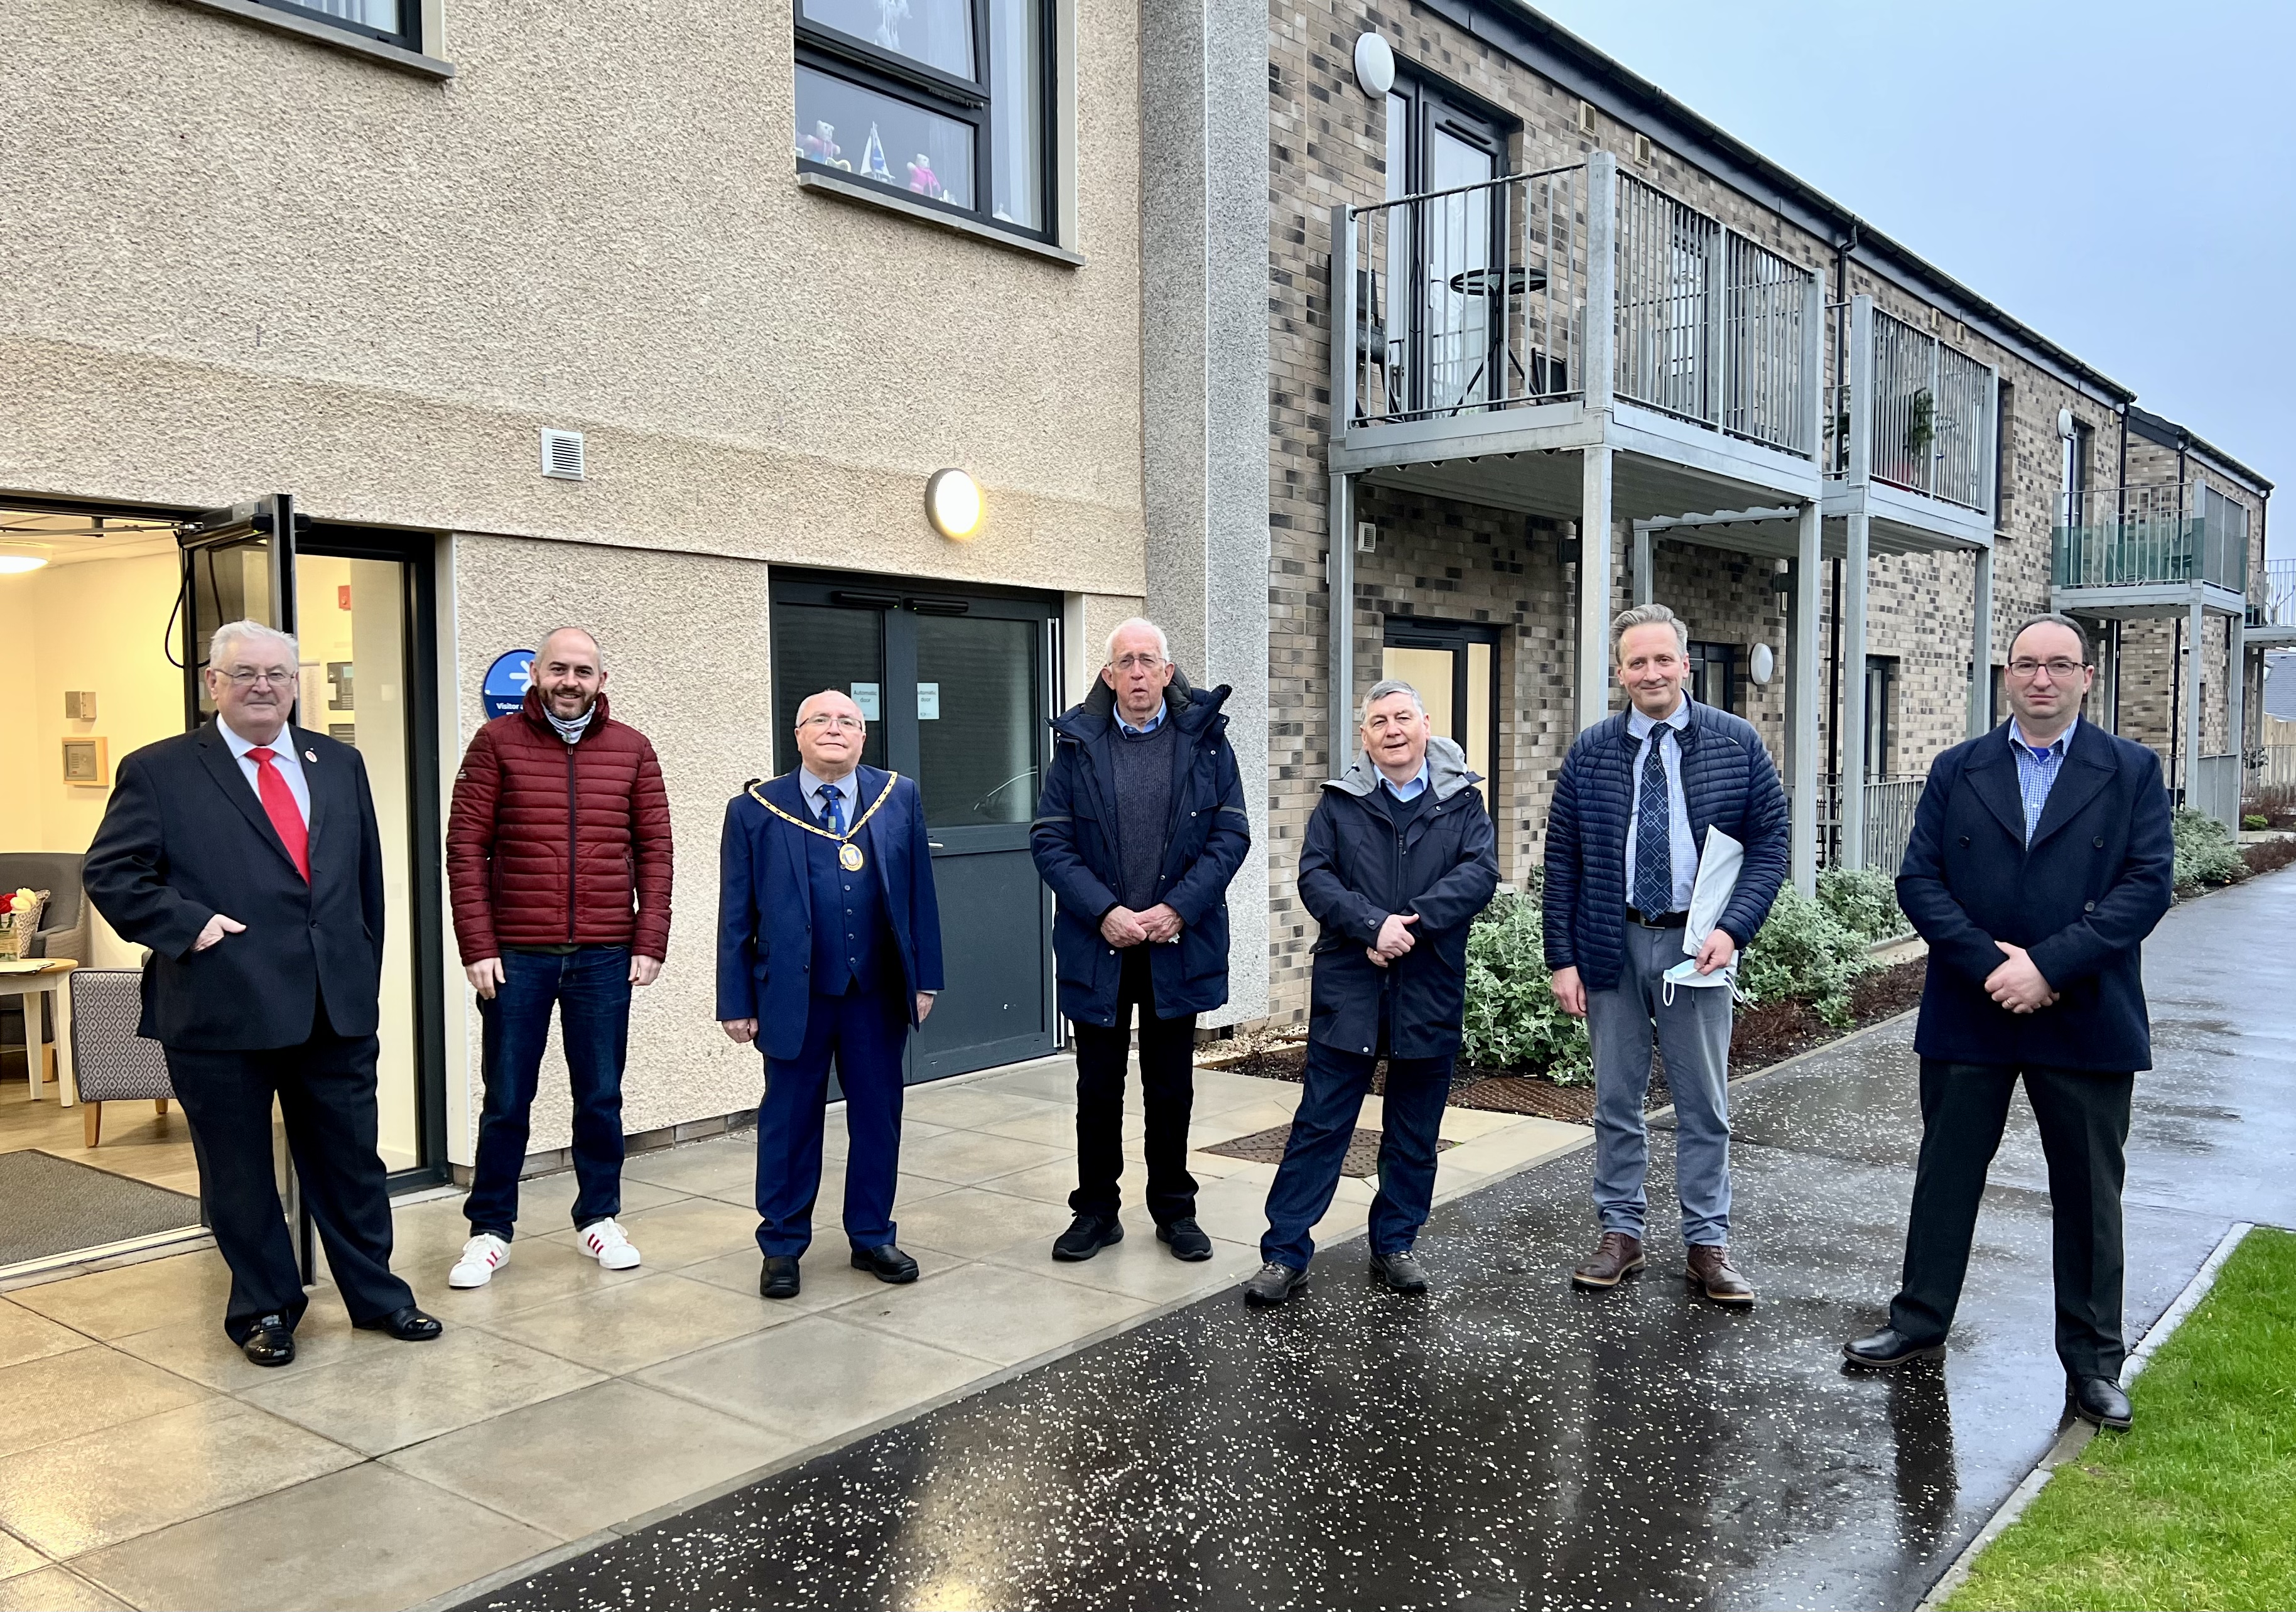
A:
(570, 731)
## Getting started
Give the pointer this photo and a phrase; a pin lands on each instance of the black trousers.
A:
(325, 1090)
(1168, 1092)
(2083, 1118)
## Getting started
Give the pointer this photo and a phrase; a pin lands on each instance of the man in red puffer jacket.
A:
(558, 860)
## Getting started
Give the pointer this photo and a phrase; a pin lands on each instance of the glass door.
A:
(1454, 666)
(956, 692)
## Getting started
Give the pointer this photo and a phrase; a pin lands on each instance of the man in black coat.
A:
(1141, 827)
(2040, 859)
(1398, 859)
(245, 855)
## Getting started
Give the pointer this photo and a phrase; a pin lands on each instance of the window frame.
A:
(870, 67)
(409, 36)
(1705, 656)
(1434, 106)
(1882, 730)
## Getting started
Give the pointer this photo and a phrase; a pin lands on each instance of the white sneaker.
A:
(482, 1257)
(606, 1243)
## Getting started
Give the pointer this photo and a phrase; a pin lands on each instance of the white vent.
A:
(1366, 537)
(1643, 150)
(561, 455)
(1585, 117)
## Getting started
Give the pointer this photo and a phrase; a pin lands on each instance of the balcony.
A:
(1909, 424)
(2156, 549)
(2272, 604)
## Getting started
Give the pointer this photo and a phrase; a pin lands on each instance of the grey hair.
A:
(570, 627)
(250, 632)
(1649, 615)
(1382, 690)
(2055, 618)
(1131, 623)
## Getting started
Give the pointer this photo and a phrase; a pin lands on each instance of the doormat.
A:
(51, 1205)
(1267, 1147)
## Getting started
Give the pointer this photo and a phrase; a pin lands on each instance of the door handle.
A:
(935, 844)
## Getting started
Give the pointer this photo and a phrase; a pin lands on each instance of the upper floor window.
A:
(945, 102)
(1445, 280)
(393, 21)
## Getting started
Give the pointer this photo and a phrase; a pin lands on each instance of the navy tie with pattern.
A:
(1654, 836)
(830, 794)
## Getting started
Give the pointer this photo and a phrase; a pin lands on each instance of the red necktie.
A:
(278, 805)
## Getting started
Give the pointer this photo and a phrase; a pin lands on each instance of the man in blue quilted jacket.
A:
(1637, 794)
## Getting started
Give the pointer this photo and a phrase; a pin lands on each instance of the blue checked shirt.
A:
(2036, 772)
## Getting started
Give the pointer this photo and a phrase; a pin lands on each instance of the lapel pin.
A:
(312, 756)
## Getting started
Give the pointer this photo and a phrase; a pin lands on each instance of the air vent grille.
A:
(1642, 153)
(562, 457)
(1585, 117)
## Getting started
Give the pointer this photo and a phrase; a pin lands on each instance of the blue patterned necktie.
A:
(1654, 836)
(830, 796)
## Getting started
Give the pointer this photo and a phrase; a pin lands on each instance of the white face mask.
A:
(1685, 973)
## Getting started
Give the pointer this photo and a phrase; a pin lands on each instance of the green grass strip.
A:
(2195, 1506)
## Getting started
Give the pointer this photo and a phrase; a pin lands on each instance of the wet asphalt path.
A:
(1509, 1443)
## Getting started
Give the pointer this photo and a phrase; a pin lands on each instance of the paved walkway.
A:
(144, 1462)
(1510, 1443)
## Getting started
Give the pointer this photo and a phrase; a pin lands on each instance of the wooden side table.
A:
(50, 981)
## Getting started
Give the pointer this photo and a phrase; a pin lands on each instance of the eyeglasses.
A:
(2058, 669)
(240, 677)
(1138, 663)
(838, 721)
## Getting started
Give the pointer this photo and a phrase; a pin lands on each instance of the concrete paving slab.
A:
(53, 1589)
(632, 1325)
(63, 1395)
(27, 1336)
(384, 1401)
(816, 1378)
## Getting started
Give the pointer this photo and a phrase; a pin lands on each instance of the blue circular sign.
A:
(505, 689)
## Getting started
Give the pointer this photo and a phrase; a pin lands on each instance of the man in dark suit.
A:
(245, 856)
(828, 947)
(2040, 860)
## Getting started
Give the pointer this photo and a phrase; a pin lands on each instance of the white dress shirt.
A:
(283, 755)
(1683, 847)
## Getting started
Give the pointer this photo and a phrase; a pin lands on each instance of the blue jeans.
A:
(1321, 1129)
(590, 987)
(1693, 1032)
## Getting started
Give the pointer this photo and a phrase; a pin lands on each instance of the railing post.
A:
(1599, 357)
(1865, 402)
(1346, 345)
(1810, 406)
(1980, 646)
(1716, 381)
(1803, 687)
(1989, 465)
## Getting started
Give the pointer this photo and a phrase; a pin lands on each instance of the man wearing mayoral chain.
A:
(828, 948)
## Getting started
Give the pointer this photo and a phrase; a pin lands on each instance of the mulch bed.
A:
(1765, 1035)
(1267, 1147)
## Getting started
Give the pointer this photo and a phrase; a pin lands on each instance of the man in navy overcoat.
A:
(2040, 859)
(828, 948)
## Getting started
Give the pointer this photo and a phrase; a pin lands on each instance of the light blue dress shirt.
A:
(283, 755)
(1410, 787)
(1685, 848)
(1146, 728)
(2038, 770)
(847, 786)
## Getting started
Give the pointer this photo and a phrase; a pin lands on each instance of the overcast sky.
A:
(2120, 176)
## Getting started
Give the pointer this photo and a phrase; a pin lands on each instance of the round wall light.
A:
(1761, 664)
(953, 505)
(1374, 65)
(15, 563)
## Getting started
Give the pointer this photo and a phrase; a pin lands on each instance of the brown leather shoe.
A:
(1616, 1256)
(1712, 1274)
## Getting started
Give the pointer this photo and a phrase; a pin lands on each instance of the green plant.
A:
(1921, 424)
(1804, 951)
(1512, 1019)
(2205, 852)
(1864, 901)
(2255, 820)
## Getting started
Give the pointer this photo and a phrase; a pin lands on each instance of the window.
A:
(1443, 339)
(1454, 666)
(1714, 675)
(1880, 695)
(393, 21)
(1997, 699)
(944, 101)
(2077, 456)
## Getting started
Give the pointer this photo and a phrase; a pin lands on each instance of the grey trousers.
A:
(1694, 1034)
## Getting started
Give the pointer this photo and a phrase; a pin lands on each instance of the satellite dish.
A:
(1374, 65)
(1761, 666)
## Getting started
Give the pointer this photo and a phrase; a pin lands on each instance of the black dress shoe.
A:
(2099, 1400)
(1187, 1240)
(271, 1343)
(1087, 1235)
(886, 1263)
(406, 1324)
(1879, 1351)
(1399, 1273)
(778, 1279)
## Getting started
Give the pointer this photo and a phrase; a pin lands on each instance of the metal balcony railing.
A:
(1929, 414)
(1889, 805)
(1469, 300)
(2141, 537)
(2272, 596)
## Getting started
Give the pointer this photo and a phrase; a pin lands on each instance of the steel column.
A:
(2193, 647)
(1851, 812)
(1980, 646)
(1645, 582)
(1803, 688)
(1594, 581)
(1339, 571)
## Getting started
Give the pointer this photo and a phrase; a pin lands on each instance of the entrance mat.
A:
(51, 1205)
(1267, 1147)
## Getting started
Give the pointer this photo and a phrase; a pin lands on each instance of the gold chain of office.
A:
(849, 855)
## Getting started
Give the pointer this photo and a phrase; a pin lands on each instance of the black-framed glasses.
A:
(2058, 669)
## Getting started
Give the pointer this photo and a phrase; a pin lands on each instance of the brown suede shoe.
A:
(1712, 1274)
(1615, 1257)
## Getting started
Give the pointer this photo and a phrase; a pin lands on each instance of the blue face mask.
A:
(1685, 973)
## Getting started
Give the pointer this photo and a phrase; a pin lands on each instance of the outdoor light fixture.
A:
(1374, 66)
(16, 561)
(953, 505)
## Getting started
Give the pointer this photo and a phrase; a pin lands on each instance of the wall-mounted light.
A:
(1374, 65)
(953, 505)
(15, 563)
